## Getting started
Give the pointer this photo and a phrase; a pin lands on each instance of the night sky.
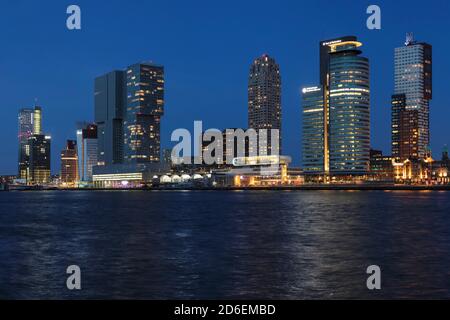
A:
(207, 48)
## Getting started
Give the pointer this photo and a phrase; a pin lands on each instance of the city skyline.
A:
(235, 116)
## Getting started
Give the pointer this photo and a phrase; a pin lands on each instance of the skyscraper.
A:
(411, 100)
(110, 105)
(40, 151)
(314, 151)
(29, 124)
(145, 106)
(349, 109)
(264, 98)
(324, 50)
(69, 163)
(336, 116)
(86, 151)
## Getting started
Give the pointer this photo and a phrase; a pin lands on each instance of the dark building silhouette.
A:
(110, 105)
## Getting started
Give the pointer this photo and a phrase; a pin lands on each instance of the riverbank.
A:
(356, 187)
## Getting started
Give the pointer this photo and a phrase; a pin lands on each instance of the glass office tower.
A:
(336, 115)
(145, 106)
(87, 151)
(349, 110)
(411, 101)
(313, 131)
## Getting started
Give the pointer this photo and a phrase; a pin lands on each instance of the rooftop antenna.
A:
(409, 38)
(35, 101)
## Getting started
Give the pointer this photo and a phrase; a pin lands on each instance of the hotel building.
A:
(313, 131)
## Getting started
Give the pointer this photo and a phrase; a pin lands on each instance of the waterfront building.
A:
(129, 175)
(39, 163)
(314, 151)
(234, 143)
(258, 171)
(144, 109)
(336, 115)
(69, 163)
(325, 47)
(441, 168)
(167, 157)
(87, 151)
(29, 123)
(110, 106)
(381, 166)
(264, 100)
(349, 110)
(411, 100)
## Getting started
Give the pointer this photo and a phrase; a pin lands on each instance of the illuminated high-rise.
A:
(314, 151)
(144, 109)
(29, 123)
(264, 99)
(69, 163)
(349, 110)
(336, 115)
(39, 167)
(411, 100)
(87, 151)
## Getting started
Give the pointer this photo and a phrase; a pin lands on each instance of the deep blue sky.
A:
(206, 48)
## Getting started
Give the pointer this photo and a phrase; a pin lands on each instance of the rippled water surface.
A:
(216, 245)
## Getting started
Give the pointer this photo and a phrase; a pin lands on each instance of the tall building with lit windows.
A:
(349, 109)
(336, 115)
(144, 109)
(39, 167)
(264, 98)
(29, 123)
(314, 151)
(69, 163)
(87, 151)
(411, 100)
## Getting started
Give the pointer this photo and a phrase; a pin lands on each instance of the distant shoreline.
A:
(277, 188)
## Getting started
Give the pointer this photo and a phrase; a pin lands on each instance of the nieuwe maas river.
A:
(216, 245)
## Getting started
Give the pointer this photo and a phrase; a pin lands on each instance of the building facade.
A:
(314, 150)
(87, 151)
(29, 123)
(336, 115)
(264, 100)
(349, 110)
(144, 109)
(69, 163)
(39, 167)
(411, 100)
(325, 50)
(110, 105)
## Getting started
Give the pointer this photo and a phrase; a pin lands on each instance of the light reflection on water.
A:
(213, 244)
